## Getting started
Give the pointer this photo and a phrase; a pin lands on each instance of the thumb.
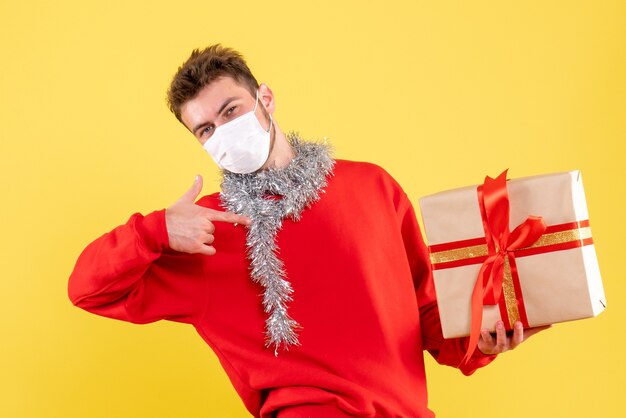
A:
(193, 192)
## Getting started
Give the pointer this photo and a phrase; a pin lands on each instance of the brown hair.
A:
(203, 67)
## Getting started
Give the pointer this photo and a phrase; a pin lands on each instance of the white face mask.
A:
(241, 145)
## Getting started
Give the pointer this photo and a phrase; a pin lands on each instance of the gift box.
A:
(512, 250)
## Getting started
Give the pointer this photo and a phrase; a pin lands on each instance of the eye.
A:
(206, 131)
(230, 110)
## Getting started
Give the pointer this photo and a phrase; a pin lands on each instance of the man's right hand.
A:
(190, 227)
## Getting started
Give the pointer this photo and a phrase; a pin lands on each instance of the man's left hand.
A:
(502, 342)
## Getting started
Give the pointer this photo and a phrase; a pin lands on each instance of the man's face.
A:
(217, 103)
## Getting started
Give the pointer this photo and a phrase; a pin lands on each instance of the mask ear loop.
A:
(256, 102)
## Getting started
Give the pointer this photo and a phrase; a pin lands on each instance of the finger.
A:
(207, 250)
(518, 334)
(193, 192)
(486, 343)
(487, 338)
(209, 239)
(229, 217)
(500, 337)
(208, 227)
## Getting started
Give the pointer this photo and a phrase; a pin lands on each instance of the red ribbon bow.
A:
(493, 199)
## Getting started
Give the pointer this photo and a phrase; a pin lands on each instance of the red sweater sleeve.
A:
(446, 351)
(131, 274)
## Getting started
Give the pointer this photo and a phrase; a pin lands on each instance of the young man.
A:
(313, 287)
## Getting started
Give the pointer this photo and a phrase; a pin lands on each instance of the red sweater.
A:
(363, 294)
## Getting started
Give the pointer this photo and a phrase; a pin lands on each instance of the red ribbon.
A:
(493, 200)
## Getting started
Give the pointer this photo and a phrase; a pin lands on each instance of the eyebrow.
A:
(222, 107)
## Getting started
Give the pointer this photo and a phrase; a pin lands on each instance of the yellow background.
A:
(439, 93)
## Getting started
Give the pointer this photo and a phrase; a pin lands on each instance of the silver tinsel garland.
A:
(299, 184)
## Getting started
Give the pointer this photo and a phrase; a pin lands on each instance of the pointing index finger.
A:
(229, 217)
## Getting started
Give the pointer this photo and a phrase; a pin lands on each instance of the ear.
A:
(266, 97)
